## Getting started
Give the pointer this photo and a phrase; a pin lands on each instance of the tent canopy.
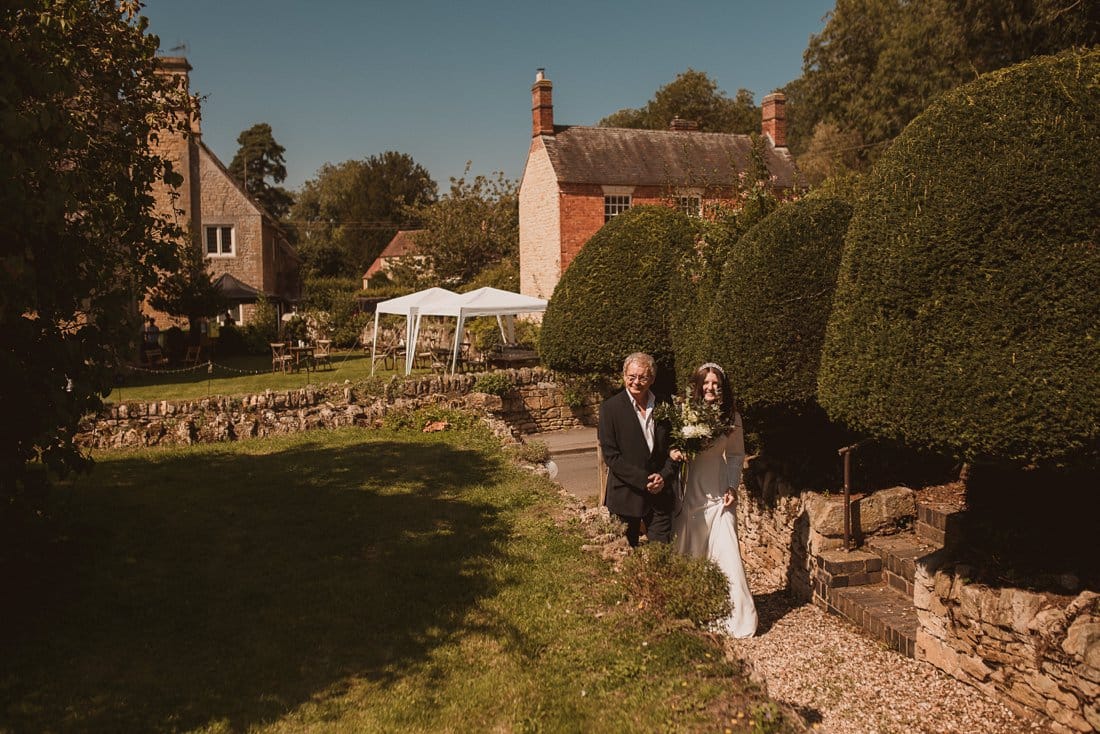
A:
(408, 307)
(482, 302)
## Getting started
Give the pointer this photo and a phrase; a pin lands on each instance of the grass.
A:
(338, 581)
(241, 376)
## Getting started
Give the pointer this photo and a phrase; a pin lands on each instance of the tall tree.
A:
(345, 216)
(473, 226)
(878, 63)
(692, 95)
(258, 159)
(80, 99)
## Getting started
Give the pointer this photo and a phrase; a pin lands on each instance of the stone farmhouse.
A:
(577, 178)
(245, 249)
(403, 245)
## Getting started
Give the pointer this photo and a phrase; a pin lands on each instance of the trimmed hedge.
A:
(965, 316)
(614, 298)
(768, 321)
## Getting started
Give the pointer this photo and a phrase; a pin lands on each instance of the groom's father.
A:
(635, 448)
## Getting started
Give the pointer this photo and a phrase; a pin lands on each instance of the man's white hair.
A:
(644, 360)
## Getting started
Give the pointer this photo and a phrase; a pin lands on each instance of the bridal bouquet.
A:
(695, 424)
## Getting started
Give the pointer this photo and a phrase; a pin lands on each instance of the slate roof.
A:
(617, 156)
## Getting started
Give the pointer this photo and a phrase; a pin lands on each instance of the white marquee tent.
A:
(407, 306)
(482, 302)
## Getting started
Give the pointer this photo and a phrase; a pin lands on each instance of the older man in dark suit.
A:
(635, 448)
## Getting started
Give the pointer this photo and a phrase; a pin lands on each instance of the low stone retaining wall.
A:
(1039, 652)
(535, 404)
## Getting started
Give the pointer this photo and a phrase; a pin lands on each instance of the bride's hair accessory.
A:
(713, 366)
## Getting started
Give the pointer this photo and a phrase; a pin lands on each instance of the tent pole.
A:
(374, 345)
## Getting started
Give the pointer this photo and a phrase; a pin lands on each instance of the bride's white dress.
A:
(705, 528)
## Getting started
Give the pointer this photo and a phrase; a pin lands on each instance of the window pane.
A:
(227, 240)
(212, 240)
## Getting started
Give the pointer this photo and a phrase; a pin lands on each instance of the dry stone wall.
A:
(535, 404)
(1038, 652)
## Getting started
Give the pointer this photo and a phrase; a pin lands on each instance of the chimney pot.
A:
(542, 105)
(679, 123)
(774, 119)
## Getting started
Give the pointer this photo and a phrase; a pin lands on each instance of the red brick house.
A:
(236, 235)
(401, 246)
(577, 178)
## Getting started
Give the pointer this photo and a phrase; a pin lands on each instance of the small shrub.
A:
(532, 452)
(494, 383)
(576, 389)
(675, 586)
(415, 420)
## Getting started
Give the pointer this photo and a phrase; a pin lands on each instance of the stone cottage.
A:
(577, 178)
(243, 244)
(402, 246)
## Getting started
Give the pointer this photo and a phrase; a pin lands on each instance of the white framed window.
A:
(690, 205)
(220, 240)
(614, 205)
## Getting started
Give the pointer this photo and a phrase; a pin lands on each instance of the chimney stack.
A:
(774, 119)
(679, 123)
(178, 70)
(542, 107)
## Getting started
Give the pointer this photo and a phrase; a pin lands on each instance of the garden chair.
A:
(153, 357)
(322, 353)
(194, 354)
(280, 357)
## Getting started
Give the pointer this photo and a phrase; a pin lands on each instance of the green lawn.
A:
(240, 376)
(346, 581)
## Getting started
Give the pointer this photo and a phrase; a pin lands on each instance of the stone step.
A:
(881, 612)
(840, 568)
(938, 525)
(899, 554)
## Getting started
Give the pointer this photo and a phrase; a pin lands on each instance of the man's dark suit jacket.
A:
(630, 461)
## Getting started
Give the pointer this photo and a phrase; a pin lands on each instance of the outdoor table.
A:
(303, 356)
(514, 358)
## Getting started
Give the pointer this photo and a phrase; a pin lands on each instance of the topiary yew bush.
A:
(766, 327)
(768, 323)
(614, 298)
(965, 316)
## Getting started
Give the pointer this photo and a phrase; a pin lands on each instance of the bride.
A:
(707, 523)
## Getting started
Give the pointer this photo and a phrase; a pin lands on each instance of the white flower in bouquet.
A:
(696, 430)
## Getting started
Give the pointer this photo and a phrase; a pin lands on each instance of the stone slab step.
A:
(838, 568)
(881, 612)
(899, 554)
(938, 525)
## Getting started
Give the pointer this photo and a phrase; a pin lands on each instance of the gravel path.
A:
(845, 683)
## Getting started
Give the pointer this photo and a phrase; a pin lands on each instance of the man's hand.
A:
(655, 484)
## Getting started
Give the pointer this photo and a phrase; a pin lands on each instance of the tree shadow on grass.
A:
(219, 586)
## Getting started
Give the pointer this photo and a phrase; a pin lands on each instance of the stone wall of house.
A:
(535, 404)
(539, 225)
(1038, 652)
(772, 528)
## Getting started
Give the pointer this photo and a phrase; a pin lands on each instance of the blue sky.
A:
(450, 82)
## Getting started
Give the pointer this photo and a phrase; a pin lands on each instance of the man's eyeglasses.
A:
(637, 378)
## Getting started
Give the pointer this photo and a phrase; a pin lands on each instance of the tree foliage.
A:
(345, 216)
(614, 298)
(189, 289)
(79, 102)
(259, 158)
(965, 313)
(470, 228)
(692, 95)
(878, 63)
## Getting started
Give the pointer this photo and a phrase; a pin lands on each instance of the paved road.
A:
(574, 453)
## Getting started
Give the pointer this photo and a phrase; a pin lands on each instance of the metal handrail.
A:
(846, 453)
